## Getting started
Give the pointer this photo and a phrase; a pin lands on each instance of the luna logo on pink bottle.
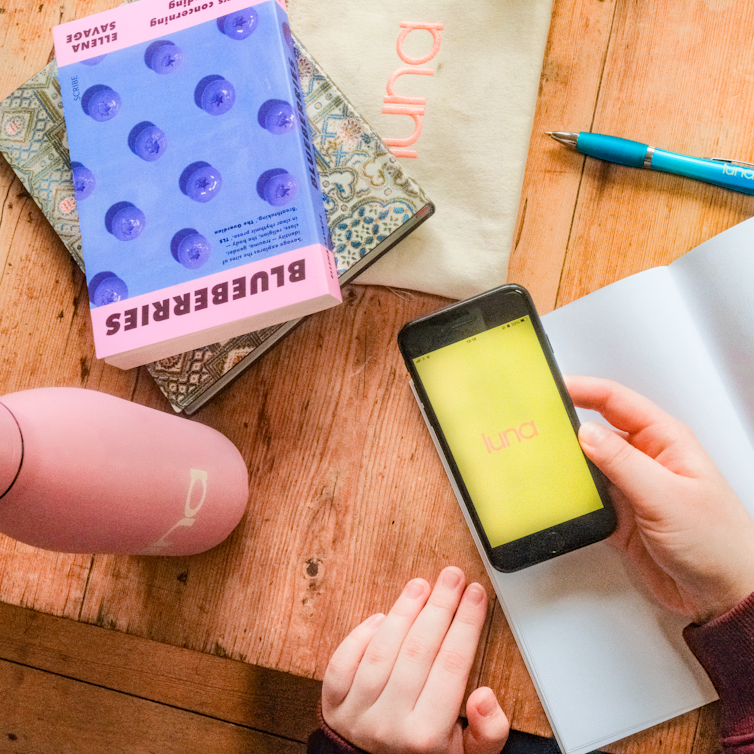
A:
(82, 471)
(190, 512)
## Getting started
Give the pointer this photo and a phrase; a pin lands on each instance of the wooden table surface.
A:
(348, 499)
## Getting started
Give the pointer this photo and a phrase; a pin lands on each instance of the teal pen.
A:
(729, 174)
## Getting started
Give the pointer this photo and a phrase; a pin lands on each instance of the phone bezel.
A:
(457, 322)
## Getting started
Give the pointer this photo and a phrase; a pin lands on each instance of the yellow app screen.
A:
(510, 435)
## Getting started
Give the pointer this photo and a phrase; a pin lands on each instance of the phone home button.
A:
(554, 543)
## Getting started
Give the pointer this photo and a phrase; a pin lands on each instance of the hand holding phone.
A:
(679, 522)
(488, 382)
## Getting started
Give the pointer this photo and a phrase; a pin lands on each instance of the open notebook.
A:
(605, 659)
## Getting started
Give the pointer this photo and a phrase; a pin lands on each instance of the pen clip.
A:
(732, 162)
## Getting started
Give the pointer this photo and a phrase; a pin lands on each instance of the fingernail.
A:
(475, 594)
(592, 433)
(487, 706)
(376, 619)
(451, 578)
(414, 589)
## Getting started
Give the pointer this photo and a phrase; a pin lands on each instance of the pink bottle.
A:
(82, 471)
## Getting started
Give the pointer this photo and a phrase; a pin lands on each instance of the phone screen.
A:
(509, 433)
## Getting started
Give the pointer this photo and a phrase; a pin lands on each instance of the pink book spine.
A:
(284, 280)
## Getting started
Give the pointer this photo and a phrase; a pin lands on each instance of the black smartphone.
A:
(491, 389)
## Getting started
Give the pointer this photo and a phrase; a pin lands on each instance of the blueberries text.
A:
(206, 297)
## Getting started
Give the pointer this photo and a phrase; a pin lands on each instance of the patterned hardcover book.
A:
(371, 203)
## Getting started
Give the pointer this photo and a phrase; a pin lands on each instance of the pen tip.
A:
(564, 137)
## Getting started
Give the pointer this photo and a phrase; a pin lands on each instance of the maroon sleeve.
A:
(325, 740)
(725, 648)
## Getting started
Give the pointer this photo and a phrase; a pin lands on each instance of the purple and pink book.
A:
(196, 184)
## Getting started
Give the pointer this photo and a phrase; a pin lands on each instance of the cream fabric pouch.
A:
(451, 87)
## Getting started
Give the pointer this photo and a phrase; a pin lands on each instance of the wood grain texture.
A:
(569, 86)
(673, 79)
(348, 500)
(235, 692)
(70, 717)
(341, 485)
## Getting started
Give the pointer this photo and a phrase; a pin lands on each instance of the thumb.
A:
(488, 726)
(633, 472)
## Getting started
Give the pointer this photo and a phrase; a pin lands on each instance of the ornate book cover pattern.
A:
(34, 141)
(368, 195)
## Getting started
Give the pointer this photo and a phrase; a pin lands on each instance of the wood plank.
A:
(689, 732)
(345, 490)
(226, 690)
(52, 582)
(707, 734)
(25, 39)
(46, 712)
(569, 87)
(628, 220)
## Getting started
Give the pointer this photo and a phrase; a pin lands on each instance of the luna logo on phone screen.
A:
(508, 431)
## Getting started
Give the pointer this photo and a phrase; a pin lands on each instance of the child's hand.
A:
(396, 683)
(679, 522)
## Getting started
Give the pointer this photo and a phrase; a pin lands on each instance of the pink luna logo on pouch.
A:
(507, 437)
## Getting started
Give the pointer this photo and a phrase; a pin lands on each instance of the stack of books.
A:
(371, 204)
